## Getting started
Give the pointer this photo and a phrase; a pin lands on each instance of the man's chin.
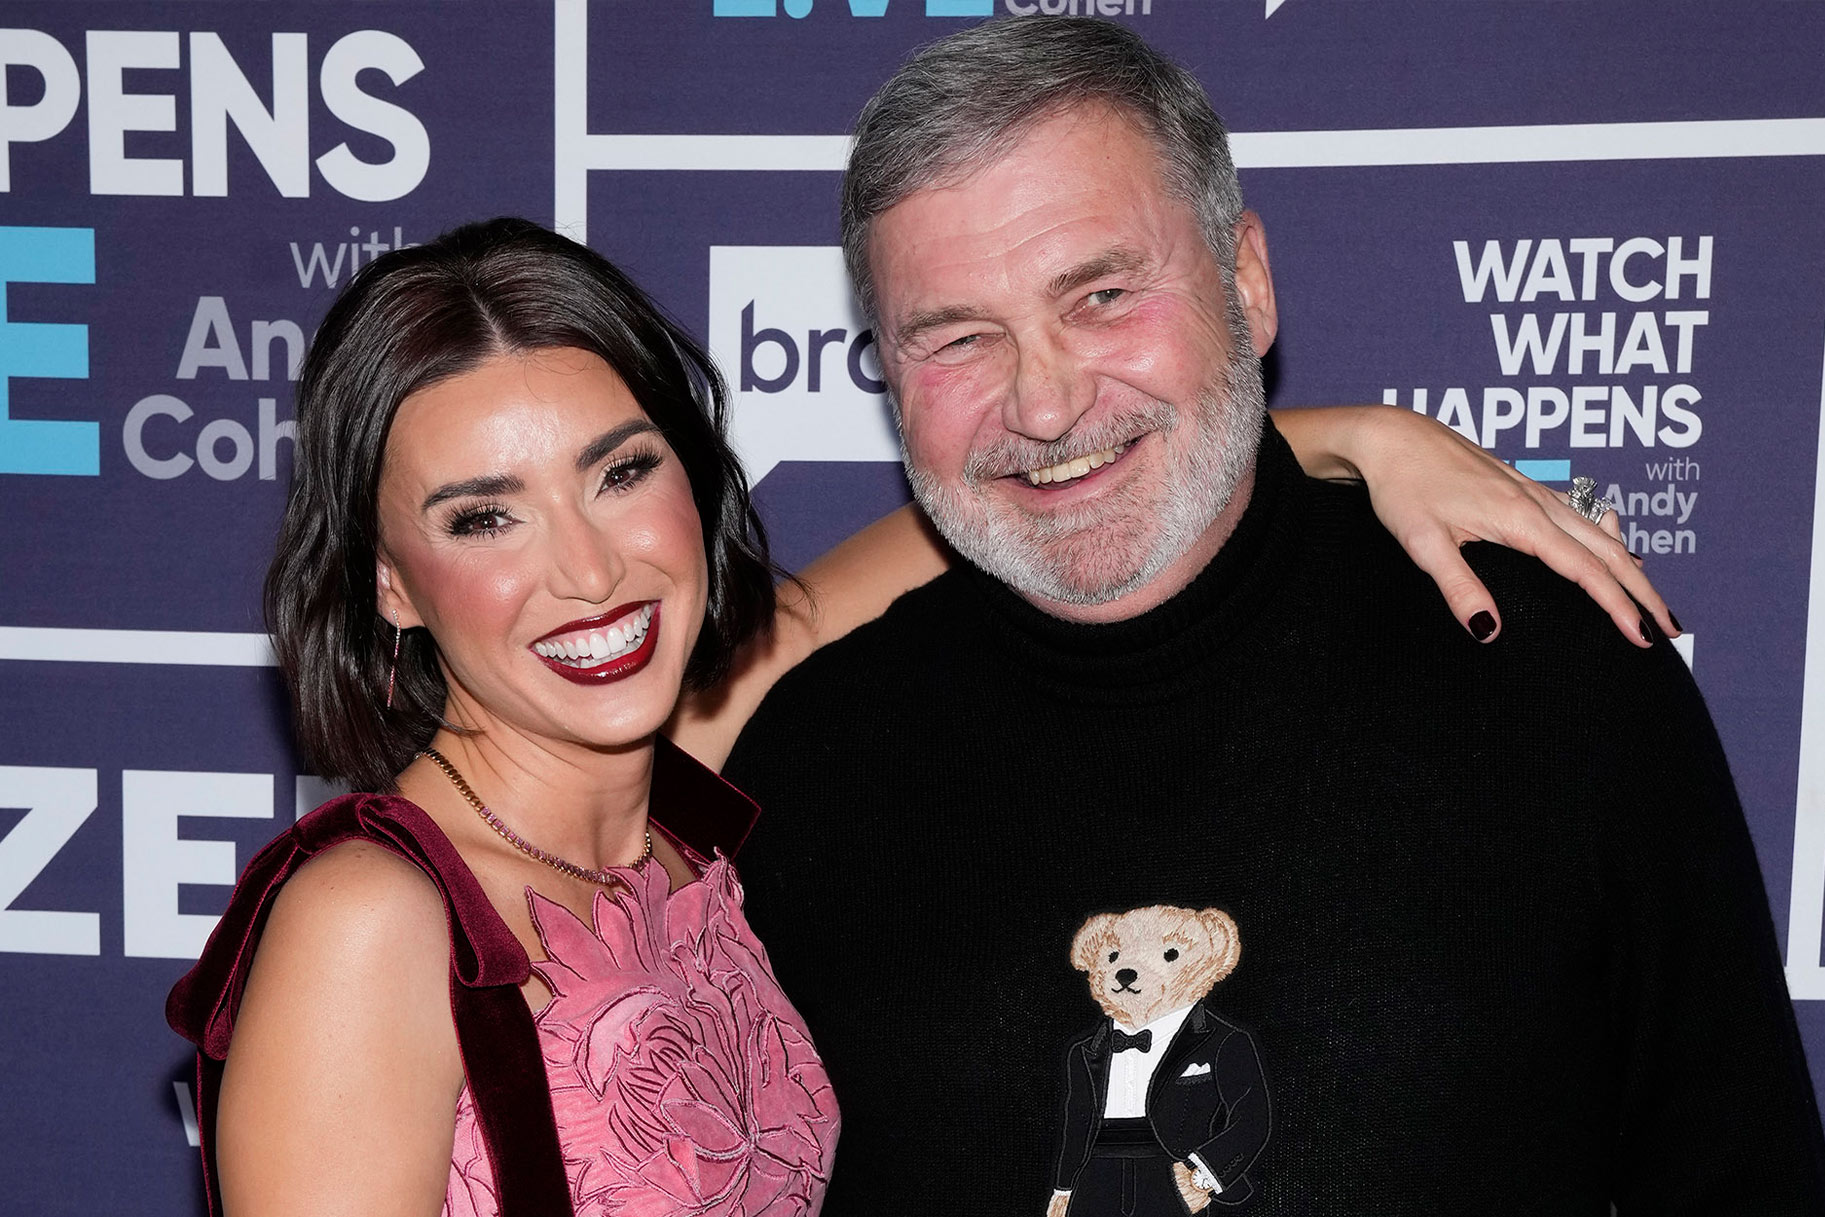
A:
(1103, 571)
(1094, 561)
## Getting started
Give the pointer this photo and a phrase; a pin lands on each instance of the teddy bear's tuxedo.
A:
(1207, 1096)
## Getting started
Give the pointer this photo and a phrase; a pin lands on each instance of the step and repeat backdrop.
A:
(1590, 237)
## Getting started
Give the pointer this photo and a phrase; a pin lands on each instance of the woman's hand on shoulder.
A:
(340, 1091)
(1435, 490)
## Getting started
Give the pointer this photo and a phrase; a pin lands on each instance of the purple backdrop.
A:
(1589, 236)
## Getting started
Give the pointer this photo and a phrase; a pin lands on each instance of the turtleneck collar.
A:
(1164, 640)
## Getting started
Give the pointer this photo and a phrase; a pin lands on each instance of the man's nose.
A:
(1051, 391)
(585, 564)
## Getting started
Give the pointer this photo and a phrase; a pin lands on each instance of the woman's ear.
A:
(391, 600)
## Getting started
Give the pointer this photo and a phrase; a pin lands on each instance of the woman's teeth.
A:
(593, 646)
(1065, 471)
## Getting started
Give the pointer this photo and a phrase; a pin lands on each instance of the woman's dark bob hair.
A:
(420, 315)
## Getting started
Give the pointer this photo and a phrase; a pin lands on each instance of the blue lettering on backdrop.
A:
(857, 8)
(43, 349)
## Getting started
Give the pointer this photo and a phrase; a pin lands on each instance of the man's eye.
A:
(961, 344)
(1107, 295)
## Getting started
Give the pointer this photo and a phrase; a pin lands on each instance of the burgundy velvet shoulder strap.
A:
(494, 1027)
(695, 805)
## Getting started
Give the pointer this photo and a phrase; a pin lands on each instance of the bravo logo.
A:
(219, 95)
(804, 375)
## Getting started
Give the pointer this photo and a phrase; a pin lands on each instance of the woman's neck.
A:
(586, 805)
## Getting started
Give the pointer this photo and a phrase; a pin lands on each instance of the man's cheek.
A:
(957, 399)
(934, 418)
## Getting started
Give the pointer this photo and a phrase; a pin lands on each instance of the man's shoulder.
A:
(904, 639)
(1555, 623)
(870, 667)
(1546, 618)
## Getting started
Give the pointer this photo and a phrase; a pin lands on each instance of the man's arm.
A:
(1717, 1114)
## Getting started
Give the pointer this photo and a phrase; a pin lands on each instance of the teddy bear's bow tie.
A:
(1140, 1039)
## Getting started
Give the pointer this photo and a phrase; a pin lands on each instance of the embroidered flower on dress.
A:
(470, 1192)
(680, 1078)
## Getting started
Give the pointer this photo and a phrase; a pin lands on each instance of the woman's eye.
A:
(629, 470)
(484, 521)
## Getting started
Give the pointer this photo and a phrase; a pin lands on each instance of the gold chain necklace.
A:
(602, 878)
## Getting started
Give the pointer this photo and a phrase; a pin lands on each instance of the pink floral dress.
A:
(682, 1080)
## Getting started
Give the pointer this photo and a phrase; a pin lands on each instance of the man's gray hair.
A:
(965, 100)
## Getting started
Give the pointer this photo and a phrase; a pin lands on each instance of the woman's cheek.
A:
(670, 538)
(674, 545)
(488, 598)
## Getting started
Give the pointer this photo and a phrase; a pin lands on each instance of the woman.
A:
(515, 533)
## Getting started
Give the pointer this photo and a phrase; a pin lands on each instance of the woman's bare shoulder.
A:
(362, 908)
(344, 1068)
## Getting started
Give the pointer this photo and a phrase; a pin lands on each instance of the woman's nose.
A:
(586, 564)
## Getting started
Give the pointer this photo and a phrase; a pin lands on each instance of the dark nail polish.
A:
(1482, 626)
(1675, 620)
(1645, 636)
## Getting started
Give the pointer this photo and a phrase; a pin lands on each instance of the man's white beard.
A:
(1118, 544)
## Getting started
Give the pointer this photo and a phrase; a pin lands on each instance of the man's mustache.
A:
(1011, 456)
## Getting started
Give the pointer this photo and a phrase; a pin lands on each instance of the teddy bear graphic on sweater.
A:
(1166, 1105)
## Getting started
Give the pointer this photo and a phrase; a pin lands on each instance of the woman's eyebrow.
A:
(611, 439)
(489, 485)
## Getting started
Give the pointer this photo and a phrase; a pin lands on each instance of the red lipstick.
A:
(608, 670)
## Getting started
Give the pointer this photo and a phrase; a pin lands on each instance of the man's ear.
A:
(1255, 282)
(391, 600)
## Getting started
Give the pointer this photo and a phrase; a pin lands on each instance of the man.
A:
(1493, 951)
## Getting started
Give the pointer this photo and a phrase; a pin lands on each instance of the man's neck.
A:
(1173, 579)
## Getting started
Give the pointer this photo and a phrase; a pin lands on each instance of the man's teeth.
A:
(1064, 471)
(592, 647)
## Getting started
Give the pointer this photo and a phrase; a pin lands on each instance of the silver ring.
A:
(1583, 500)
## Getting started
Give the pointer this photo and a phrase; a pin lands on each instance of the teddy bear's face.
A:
(1150, 961)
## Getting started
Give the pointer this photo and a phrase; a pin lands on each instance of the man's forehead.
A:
(1048, 137)
(1072, 201)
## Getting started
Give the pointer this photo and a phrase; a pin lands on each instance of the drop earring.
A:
(393, 668)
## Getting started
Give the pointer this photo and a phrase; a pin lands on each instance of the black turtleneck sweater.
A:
(1504, 943)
